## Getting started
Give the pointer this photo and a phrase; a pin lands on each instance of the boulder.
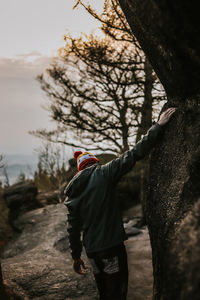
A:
(20, 198)
(21, 195)
(37, 264)
(47, 198)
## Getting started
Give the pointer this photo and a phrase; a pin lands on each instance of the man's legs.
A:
(111, 272)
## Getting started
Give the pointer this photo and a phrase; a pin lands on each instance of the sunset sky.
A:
(31, 32)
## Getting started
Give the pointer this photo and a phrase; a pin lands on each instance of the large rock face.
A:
(168, 31)
(174, 192)
(186, 248)
(37, 264)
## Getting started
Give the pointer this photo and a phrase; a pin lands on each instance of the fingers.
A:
(83, 265)
(170, 110)
(81, 272)
(78, 270)
(77, 266)
(166, 115)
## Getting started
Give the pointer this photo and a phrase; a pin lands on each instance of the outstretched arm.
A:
(145, 145)
(120, 166)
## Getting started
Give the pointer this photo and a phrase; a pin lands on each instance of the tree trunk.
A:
(169, 33)
(125, 138)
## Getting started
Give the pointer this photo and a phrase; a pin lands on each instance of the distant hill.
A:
(19, 163)
(21, 159)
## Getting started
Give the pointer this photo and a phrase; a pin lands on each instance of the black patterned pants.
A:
(111, 272)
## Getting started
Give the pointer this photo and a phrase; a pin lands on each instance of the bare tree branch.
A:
(96, 88)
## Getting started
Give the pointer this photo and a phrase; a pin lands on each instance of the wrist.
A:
(160, 123)
(75, 257)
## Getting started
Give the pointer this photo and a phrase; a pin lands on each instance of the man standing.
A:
(94, 210)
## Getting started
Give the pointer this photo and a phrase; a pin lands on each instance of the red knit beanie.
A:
(84, 158)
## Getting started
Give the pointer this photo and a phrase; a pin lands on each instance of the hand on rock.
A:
(166, 115)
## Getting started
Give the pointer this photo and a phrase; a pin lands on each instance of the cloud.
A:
(21, 102)
(32, 53)
(24, 65)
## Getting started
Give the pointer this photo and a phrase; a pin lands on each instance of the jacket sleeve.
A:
(124, 163)
(74, 229)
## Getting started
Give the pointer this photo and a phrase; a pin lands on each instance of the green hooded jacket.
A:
(92, 207)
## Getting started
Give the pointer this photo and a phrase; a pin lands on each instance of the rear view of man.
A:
(94, 211)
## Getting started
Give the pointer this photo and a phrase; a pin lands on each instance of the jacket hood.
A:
(78, 183)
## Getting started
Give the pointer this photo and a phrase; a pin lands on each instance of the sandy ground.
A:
(140, 267)
(139, 261)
